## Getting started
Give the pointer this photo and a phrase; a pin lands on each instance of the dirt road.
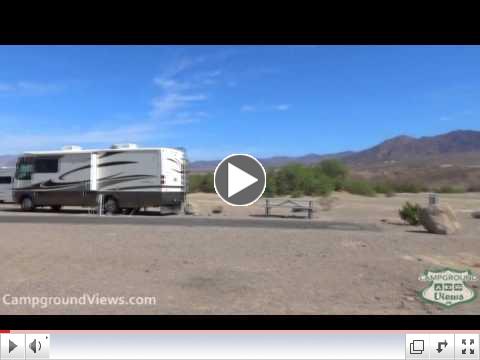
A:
(248, 269)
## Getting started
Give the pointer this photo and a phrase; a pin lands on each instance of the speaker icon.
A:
(35, 346)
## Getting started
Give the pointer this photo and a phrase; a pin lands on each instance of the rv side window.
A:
(24, 171)
(46, 165)
(5, 180)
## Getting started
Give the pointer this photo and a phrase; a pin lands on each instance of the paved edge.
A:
(188, 221)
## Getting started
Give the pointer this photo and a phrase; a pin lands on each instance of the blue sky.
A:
(217, 100)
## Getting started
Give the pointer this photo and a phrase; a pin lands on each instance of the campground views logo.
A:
(447, 286)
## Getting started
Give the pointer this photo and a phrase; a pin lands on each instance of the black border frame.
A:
(240, 322)
(307, 34)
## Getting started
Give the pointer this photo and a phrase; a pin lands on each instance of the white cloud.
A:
(263, 108)
(281, 107)
(171, 84)
(248, 108)
(171, 102)
(182, 87)
(28, 88)
(13, 143)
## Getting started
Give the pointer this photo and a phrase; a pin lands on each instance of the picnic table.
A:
(295, 205)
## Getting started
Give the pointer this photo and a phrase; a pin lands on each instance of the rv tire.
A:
(111, 206)
(56, 207)
(27, 204)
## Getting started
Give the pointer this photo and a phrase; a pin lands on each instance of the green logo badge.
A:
(447, 286)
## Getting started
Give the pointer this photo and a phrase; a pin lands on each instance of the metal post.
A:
(100, 204)
(433, 199)
(267, 208)
(310, 209)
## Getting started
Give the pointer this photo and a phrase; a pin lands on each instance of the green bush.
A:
(410, 213)
(359, 187)
(271, 186)
(297, 194)
(201, 183)
(450, 190)
(409, 188)
(334, 169)
(320, 185)
(384, 188)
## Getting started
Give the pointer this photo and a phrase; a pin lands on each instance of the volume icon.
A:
(35, 346)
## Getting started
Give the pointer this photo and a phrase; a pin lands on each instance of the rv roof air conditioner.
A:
(124, 146)
(72, 147)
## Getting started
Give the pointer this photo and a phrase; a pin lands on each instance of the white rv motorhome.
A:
(126, 176)
(6, 184)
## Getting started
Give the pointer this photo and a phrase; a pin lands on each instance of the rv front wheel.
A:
(27, 204)
(111, 206)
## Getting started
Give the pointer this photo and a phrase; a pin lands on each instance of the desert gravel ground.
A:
(221, 268)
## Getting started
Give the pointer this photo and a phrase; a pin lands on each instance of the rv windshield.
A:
(24, 170)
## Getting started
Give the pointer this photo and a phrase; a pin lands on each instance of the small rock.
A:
(217, 209)
(476, 214)
(190, 209)
(439, 219)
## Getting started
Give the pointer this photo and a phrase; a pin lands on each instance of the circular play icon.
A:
(240, 179)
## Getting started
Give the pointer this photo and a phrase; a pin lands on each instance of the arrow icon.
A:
(238, 180)
(11, 346)
(440, 347)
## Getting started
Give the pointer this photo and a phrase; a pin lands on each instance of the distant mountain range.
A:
(199, 166)
(406, 149)
(457, 147)
(8, 160)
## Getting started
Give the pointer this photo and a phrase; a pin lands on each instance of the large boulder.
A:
(439, 219)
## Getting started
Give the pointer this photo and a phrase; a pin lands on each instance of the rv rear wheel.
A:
(27, 204)
(178, 209)
(56, 207)
(111, 206)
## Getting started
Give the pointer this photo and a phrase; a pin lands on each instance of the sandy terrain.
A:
(225, 269)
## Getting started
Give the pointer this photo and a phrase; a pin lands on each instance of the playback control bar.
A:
(238, 345)
(24, 346)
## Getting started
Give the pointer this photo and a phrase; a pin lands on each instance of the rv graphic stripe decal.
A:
(176, 161)
(151, 187)
(84, 184)
(113, 163)
(110, 153)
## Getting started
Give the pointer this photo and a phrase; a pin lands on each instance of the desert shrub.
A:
(318, 185)
(410, 213)
(334, 169)
(289, 178)
(297, 179)
(390, 194)
(270, 186)
(201, 183)
(473, 188)
(447, 189)
(384, 188)
(408, 188)
(359, 187)
(297, 194)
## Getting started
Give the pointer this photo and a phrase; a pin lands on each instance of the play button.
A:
(11, 346)
(239, 179)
